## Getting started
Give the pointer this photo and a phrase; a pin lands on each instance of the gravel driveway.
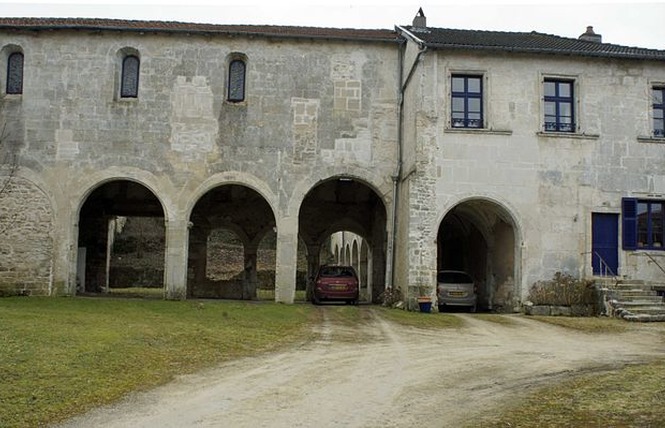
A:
(380, 374)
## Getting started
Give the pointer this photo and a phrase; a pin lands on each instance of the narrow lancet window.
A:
(15, 73)
(129, 87)
(236, 90)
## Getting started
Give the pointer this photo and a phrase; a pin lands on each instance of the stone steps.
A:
(634, 300)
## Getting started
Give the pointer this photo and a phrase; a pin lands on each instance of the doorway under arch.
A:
(121, 241)
(228, 227)
(345, 204)
(479, 237)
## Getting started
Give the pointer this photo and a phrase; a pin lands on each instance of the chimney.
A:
(590, 36)
(420, 22)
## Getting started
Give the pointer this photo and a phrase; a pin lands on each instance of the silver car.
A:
(456, 288)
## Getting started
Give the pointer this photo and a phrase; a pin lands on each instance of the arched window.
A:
(236, 90)
(15, 73)
(129, 84)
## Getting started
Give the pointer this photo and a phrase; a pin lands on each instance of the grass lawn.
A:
(631, 396)
(61, 356)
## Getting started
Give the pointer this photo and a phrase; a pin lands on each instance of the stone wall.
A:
(26, 238)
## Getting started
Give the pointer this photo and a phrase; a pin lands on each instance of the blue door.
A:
(605, 244)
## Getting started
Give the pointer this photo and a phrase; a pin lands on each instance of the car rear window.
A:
(453, 278)
(337, 271)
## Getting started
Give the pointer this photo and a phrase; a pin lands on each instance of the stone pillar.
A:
(175, 267)
(250, 281)
(313, 262)
(286, 259)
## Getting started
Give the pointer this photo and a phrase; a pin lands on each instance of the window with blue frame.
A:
(658, 97)
(467, 101)
(14, 73)
(643, 222)
(559, 105)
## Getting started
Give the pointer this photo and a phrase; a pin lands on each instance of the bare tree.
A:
(8, 167)
(8, 161)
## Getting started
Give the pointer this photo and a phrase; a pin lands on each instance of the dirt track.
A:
(380, 375)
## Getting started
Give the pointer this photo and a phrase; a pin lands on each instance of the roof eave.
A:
(193, 31)
(562, 52)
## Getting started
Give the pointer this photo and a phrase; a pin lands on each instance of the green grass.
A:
(61, 356)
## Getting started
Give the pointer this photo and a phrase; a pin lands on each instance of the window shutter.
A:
(629, 212)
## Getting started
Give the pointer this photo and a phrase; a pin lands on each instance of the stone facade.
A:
(339, 130)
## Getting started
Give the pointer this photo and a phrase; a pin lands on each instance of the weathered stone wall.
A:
(547, 184)
(26, 238)
(314, 110)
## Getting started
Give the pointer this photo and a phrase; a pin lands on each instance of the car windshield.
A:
(336, 271)
(453, 278)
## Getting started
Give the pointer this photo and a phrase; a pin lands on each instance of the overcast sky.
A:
(621, 22)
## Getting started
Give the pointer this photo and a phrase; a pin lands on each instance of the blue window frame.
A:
(129, 84)
(643, 222)
(658, 97)
(467, 101)
(559, 105)
(236, 88)
(14, 73)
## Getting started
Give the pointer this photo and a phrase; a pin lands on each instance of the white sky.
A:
(621, 22)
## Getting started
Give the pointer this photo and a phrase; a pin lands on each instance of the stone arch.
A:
(237, 207)
(27, 230)
(482, 236)
(343, 204)
(368, 177)
(121, 237)
(231, 178)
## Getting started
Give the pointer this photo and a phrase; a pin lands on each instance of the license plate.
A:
(456, 293)
(338, 287)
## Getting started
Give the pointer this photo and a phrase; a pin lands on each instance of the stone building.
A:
(509, 155)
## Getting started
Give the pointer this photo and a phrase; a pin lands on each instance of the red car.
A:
(336, 283)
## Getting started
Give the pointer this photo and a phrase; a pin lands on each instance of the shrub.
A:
(562, 290)
(391, 296)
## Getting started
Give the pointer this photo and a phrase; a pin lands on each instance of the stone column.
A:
(250, 282)
(175, 267)
(313, 262)
(286, 259)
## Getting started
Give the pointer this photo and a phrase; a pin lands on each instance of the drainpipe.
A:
(397, 176)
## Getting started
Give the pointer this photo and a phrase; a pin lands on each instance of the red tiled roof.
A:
(36, 24)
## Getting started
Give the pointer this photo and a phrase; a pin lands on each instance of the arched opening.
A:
(231, 245)
(121, 241)
(350, 210)
(479, 237)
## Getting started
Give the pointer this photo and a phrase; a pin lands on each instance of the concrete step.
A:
(639, 297)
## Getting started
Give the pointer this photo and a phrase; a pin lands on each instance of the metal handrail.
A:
(654, 260)
(604, 267)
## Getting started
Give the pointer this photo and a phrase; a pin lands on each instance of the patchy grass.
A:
(264, 294)
(588, 324)
(420, 320)
(505, 320)
(137, 292)
(629, 397)
(62, 356)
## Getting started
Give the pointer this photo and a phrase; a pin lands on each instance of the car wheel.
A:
(473, 309)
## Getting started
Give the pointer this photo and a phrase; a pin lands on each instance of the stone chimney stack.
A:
(420, 22)
(590, 36)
